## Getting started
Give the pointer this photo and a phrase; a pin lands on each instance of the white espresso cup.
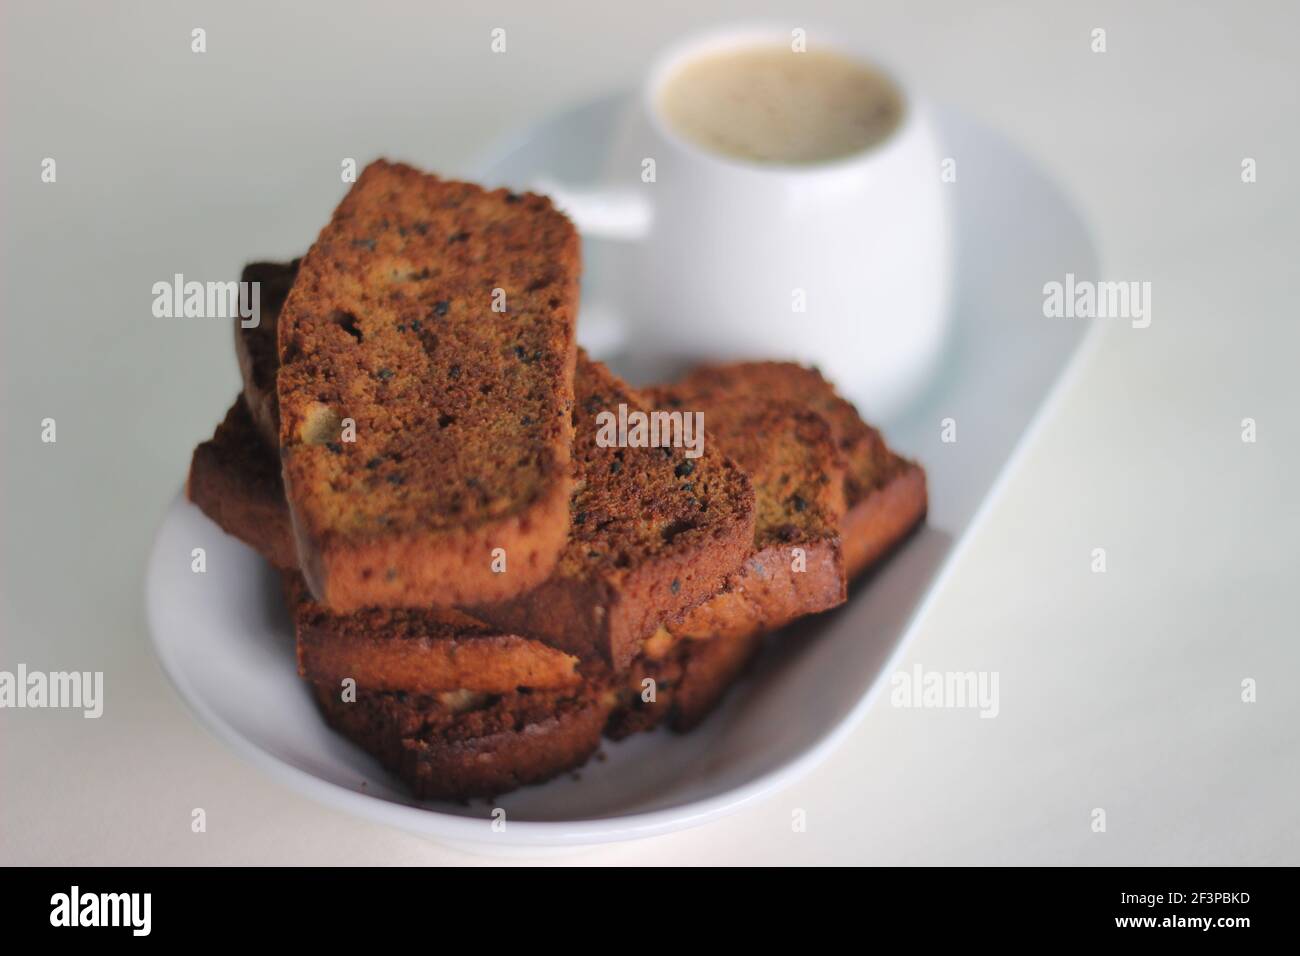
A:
(842, 263)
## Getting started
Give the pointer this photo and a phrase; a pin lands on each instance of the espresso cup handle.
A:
(622, 215)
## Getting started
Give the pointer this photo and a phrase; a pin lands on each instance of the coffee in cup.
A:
(770, 104)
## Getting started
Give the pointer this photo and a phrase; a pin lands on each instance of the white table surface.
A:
(1118, 690)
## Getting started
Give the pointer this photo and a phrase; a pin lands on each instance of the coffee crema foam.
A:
(769, 104)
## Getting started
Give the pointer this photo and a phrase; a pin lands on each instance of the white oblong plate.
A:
(225, 641)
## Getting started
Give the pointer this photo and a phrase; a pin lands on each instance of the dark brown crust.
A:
(648, 540)
(235, 481)
(255, 346)
(418, 651)
(462, 414)
(510, 742)
(885, 493)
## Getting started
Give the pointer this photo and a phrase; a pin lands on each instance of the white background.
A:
(1118, 690)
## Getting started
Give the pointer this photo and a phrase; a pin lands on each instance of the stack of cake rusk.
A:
(485, 576)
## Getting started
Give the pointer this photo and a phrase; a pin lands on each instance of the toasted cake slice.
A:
(653, 533)
(456, 746)
(256, 349)
(234, 480)
(425, 393)
(885, 493)
(418, 651)
(795, 566)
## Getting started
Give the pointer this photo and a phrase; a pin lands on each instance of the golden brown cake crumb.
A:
(421, 429)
